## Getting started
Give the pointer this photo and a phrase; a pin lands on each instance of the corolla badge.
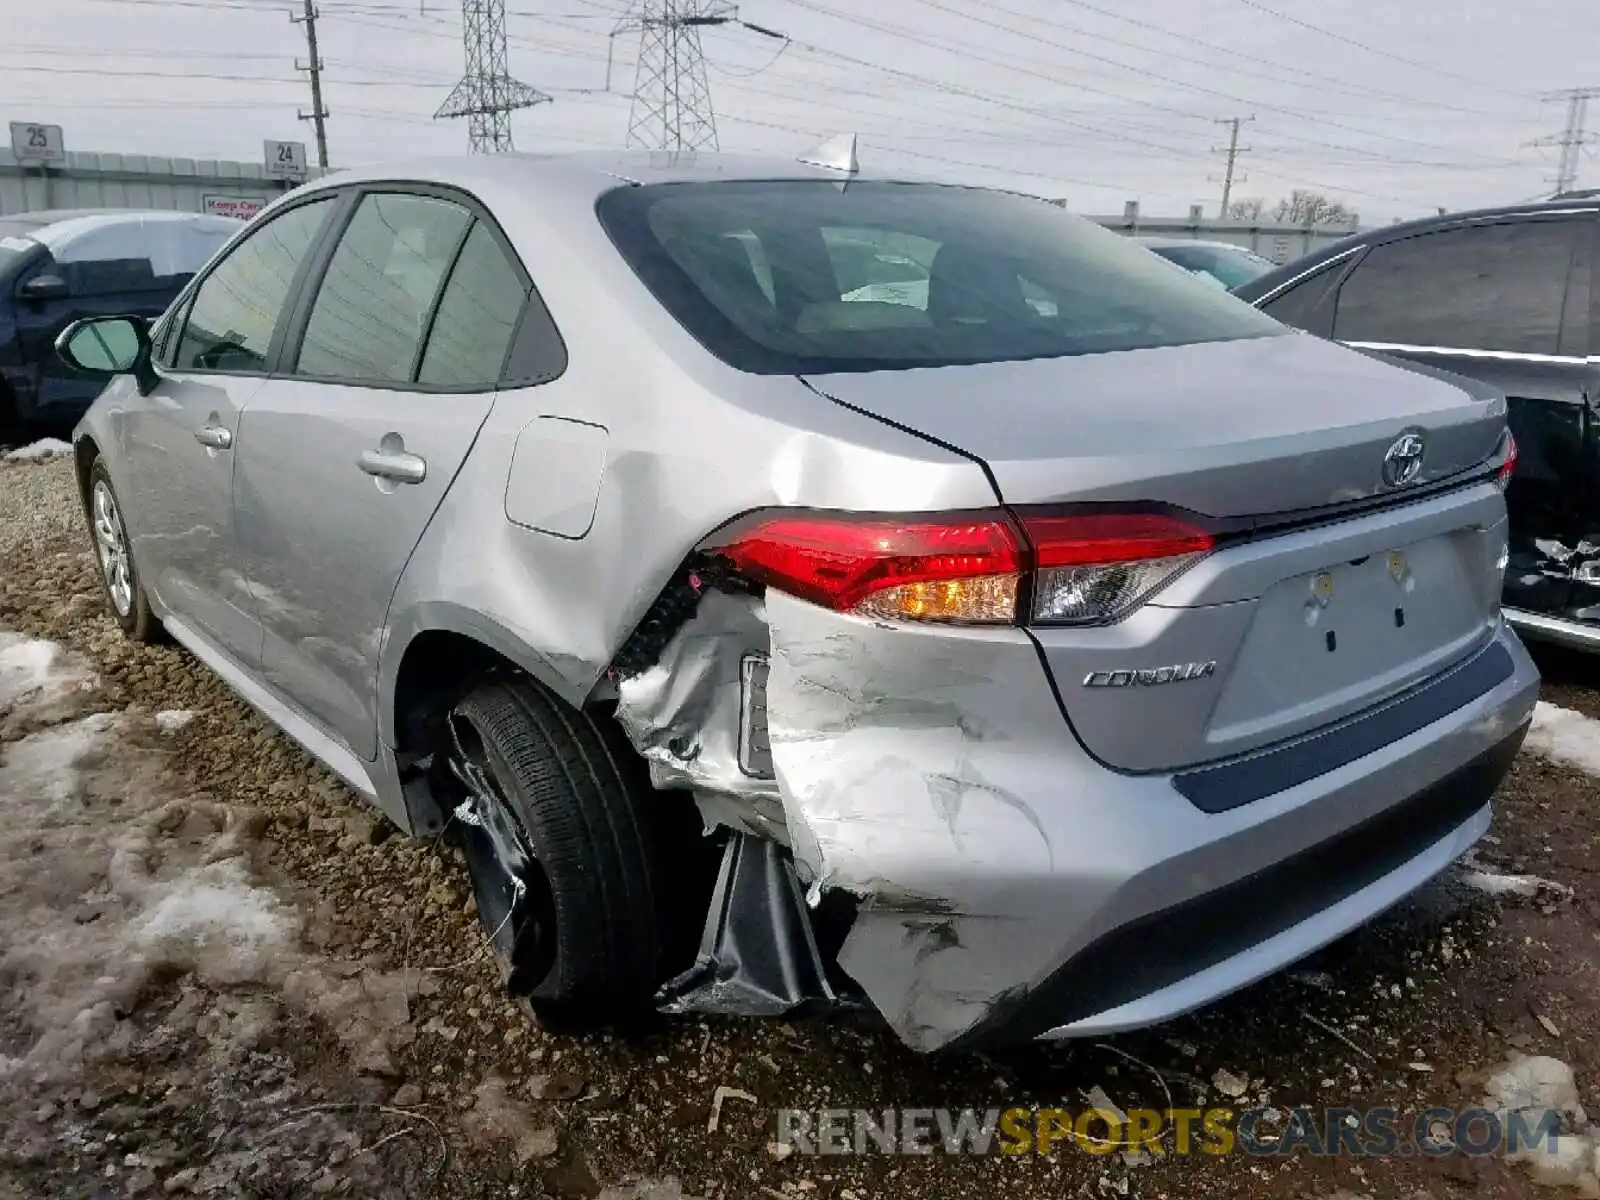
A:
(1148, 677)
(1403, 461)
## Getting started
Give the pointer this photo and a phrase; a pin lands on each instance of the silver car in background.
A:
(1048, 642)
(1223, 263)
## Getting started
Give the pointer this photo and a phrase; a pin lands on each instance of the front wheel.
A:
(124, 591)
(566, 845)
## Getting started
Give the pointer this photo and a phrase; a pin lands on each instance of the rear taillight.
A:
(956, 567)
(1508, 465)
(1097, 568)
(971, 567)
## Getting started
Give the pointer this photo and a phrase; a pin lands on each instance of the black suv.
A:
(64, 264)
(1506, 296)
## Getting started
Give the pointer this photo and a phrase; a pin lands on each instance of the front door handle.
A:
(215, 437)
(398, 466)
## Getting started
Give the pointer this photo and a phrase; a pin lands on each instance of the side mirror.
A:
(108, 346)
(44, 287)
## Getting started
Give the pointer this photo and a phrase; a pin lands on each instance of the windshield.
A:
(1228, 266)
(801, 277)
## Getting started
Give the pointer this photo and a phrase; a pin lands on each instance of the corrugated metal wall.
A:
(89, 180)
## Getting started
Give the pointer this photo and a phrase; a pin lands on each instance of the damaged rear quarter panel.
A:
(910, 768)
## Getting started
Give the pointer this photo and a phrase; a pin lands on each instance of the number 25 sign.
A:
(33, 142)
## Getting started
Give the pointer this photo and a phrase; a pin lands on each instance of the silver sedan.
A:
(799, 587)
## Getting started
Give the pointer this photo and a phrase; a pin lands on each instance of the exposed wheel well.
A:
(439, 667)
(84, 453)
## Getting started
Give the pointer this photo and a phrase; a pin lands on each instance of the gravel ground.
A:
(219, 975)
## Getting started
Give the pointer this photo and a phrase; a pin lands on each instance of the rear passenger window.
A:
(236, 308)
(371, 311)
(477, 317)
(1308, 304)
(1482, 287)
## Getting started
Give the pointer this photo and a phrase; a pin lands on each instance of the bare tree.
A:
(1245, 210)
(1311, 208)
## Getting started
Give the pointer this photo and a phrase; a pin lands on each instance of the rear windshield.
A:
(801, 277)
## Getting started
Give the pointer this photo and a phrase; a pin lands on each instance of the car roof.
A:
(1295, 268)
(596, 171)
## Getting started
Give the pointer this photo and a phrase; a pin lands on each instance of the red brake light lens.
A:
(1502, 475)
(967, 566)
(953, 567)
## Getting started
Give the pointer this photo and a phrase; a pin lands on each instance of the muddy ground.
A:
(219, 975)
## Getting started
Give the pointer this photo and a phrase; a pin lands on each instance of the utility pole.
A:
(318, 115)
(1232, 150)
(487, 95)
(671, 96)
(1573, 138)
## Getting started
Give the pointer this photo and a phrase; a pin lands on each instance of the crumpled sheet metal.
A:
(682, 714)
(902, 757)
(758, 956)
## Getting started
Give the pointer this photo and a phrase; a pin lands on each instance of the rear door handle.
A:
(399, 466)
(216, 437)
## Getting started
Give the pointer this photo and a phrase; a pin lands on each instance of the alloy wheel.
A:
(111, 543)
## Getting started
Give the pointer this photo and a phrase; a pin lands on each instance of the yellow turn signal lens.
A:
(982, 599)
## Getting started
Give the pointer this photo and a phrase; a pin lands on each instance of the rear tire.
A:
(568, 848)
(119, 577)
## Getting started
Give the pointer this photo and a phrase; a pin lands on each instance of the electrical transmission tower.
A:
(487, 95)
(671, 98)
(1232, 150)
(1573, 138)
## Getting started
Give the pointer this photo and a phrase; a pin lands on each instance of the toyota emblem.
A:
(1403, 462)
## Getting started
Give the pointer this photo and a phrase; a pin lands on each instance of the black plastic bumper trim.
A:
(1162, 948)
(1230, 785)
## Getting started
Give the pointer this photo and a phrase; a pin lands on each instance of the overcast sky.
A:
(1394, 109)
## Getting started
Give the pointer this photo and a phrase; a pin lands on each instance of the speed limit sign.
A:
(33, 142)
(285, 160)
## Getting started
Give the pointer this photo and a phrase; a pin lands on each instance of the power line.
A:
(1350, 41)
(1300, 114)
(1232, 150)
(318, 116)
(1572, 139)
(1189, 39)
(487, 94)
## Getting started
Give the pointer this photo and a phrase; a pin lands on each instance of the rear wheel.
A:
(120, 578)
(567, 846)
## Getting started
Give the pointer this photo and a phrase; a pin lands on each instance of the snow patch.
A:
(1511, 885)
(35, 671)
(44, 448)
(1565, 736)
(173, 719)
(216, 912)
(111, 883)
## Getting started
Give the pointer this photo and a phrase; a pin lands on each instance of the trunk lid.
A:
(1305, 625)
(1260, 425)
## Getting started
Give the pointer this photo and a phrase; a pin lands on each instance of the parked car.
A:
(1223, 263)
(64, 264)
(1040, 669)
(1505, 296)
